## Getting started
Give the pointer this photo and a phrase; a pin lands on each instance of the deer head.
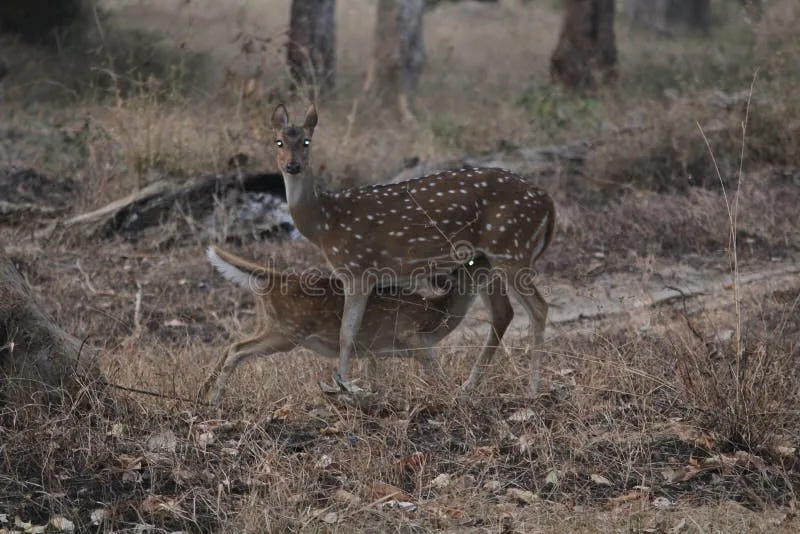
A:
(293, 142)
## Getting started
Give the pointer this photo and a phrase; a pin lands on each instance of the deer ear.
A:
(280, 118)
(311, 118)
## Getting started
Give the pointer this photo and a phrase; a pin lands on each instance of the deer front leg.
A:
(355, 304)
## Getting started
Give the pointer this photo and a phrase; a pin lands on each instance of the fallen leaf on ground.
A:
(626, 497)
(205, 439)
(344, 497)
(600, 479)
(414, 461)
(163, 441)
(381, 490)
(679, 474)
(442, 480)
(156, 503)
(282, 412)
(130, 463)
(62, 523)
(523, 496)
(523, 415)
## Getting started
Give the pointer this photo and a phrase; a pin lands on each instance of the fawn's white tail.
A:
(228, 270)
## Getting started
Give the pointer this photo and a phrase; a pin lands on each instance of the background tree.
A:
(586, 45)
(311, 50)
(398, 54)
(39, 21)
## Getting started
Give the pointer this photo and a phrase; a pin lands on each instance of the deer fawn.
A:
(304, 309)
(409, 230)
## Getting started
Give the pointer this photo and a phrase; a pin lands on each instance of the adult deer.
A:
(401, 234)
(304, 309)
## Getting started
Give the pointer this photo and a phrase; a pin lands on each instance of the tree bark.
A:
(398, 55)
(311, 50)
(586, 46)
(37, 355)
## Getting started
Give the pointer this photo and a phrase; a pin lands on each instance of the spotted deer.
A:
(403, 233)
(304, 309)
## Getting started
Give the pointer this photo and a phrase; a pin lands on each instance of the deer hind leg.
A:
(264, 344)
(495, 298)
(355, 304)
(536, 307)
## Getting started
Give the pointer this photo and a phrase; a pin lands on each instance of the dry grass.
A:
(641, 431)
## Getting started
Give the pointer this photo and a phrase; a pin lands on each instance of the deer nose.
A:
(293, 167)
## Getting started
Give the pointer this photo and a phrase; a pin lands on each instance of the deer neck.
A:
(305, 205)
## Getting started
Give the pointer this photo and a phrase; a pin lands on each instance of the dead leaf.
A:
(205, 439)
(282, 412)
(62, 523)
(443, 513)
(482, 454)
(155, 504)
(98, 515)
(523, 496)
(662, 503)
(414, 461)
(117, 430)
(679, 474)
(784, 450)
(323, 462)
(175, 323)
(330, 518)
(520, 416)
(739, 458)
(381, 490)
(163, 442)
(331, 430)
(442, 481)
(130, 463)
(344, 497)
(218, 426)
(626, 497)
(600, 480)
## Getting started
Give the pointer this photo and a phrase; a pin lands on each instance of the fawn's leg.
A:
(238, 353)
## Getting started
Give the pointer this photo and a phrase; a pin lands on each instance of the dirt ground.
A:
(670, 378)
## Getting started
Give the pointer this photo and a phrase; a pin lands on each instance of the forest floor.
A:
(670, 379)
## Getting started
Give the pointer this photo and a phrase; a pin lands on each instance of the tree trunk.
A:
(311, 50)
(36, 355)
(586, 46)
(398, 55)
(669, 17)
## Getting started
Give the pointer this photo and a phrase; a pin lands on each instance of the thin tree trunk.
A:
(586, 46)
(311, 50)
(398, 55)
(35, 353)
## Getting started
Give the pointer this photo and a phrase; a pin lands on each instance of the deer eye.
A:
(306, 142)
(279, 142)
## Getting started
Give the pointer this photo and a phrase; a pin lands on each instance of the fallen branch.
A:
(149, 206)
